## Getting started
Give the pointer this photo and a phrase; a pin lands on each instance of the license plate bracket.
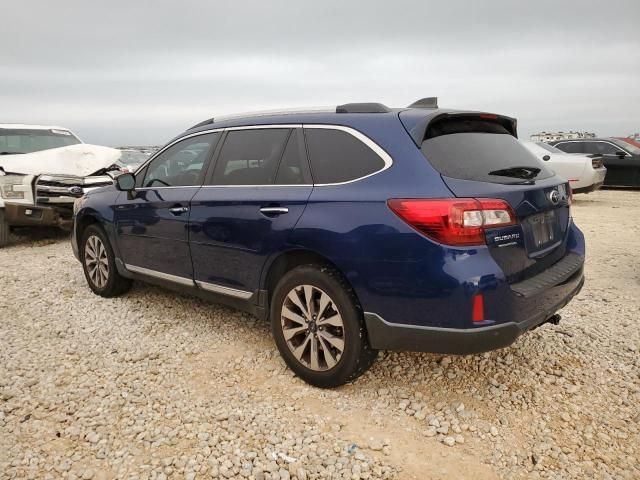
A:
(543, 229)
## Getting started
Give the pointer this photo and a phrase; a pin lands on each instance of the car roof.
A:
(415, 119)
(26, 126)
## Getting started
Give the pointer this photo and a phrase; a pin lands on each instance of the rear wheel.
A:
(318, 327)
(98, 262)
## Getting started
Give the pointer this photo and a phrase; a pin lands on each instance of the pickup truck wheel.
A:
(4, 230)
(98, 263)
(317, 324)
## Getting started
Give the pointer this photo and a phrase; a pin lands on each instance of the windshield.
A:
(549, 148)
(629, 147)
(14, 141)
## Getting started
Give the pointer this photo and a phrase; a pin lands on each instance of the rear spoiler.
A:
(419, 129)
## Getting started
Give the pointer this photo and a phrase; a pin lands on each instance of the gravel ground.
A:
(155, 385)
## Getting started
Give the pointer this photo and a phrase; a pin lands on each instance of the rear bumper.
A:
(20, 215)
(392, 336)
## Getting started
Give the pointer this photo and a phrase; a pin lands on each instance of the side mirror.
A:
(126, 182)
(621, 154)
(546, 158)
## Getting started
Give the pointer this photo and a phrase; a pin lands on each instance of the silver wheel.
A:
(96, 261)
(312, 327)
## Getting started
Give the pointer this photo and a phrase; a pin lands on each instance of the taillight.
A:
(454, 221)
(596, 162)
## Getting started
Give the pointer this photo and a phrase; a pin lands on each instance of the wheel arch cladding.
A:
(290, 259)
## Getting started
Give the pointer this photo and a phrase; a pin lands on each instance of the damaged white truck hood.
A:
(81, 160)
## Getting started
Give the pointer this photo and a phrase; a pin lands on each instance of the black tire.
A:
(115, 283)
(357, 355)
(5, 231)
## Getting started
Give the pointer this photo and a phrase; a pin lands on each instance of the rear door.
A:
(152, 221)
(252, 199)
(478, 157)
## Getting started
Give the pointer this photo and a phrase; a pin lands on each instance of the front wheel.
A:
(98, 262)
(318, 327)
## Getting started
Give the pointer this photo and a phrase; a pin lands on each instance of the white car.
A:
(43, 170)
(585, 172)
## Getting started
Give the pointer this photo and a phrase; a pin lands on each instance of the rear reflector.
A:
(477, 314)
(454, 221)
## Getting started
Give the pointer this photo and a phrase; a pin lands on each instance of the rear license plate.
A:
(542, 228)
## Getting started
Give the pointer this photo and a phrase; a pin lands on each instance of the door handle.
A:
(274, 211)
(179, 210)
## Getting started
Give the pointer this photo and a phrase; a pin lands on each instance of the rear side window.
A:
(250, 157)
(572, 147)
(480, 150)
(337, 156)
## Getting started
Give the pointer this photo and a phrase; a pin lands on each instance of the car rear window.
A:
(480, 150)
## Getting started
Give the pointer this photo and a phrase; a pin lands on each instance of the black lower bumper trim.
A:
(589, 189)
(20, 215)
(390, 336)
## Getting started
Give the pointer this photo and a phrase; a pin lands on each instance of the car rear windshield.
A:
(480, 150)
(13, 141)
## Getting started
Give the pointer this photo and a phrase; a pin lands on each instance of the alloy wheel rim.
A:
(97, 262)
(313, 327)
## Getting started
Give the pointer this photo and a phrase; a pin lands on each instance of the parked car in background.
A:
(633, 141)
(621, 158)
(355, 229)
(43, 170)
(585, 173)
(132, 157)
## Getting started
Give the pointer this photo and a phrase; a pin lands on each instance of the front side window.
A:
(337, 156)
(182, 164)
(605, 148)
(250, 157)
(16, 141)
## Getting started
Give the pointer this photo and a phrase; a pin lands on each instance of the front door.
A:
(248, 207)
(152, 221)
(621, 168)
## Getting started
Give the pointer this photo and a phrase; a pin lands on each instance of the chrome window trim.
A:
(377, 149)
(231, 292)
(161, 275)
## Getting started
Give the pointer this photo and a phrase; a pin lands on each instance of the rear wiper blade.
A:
(10, 153)
(526, 173)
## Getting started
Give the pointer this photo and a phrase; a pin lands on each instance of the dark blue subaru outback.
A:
(352, 230)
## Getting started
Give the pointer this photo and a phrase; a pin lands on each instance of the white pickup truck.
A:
(43, 170)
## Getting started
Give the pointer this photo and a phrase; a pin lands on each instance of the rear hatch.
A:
(479, 156)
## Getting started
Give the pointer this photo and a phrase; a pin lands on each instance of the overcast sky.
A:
(139, 72)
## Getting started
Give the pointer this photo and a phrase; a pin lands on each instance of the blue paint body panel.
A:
(397, 273)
